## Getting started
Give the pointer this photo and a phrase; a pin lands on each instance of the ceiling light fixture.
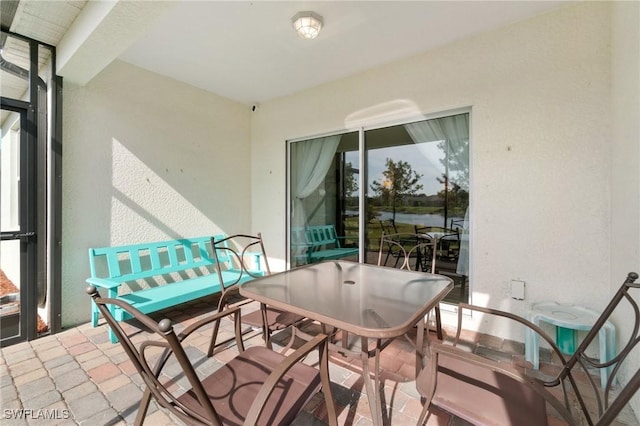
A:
(307, 24)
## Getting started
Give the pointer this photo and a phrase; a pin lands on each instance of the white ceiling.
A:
(249, 52)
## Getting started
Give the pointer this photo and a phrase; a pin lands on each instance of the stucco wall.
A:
(147, 158)
(540, 148)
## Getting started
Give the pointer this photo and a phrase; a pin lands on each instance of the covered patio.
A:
(143, 154)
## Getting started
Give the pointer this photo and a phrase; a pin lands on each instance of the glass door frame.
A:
(288, 189)
(362, 178)
(27, 213)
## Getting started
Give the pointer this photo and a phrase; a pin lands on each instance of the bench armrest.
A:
(302, 245)
(346, 237)
(105, 283)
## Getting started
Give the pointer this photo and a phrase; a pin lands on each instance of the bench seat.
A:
(332, 254)
(164, 296)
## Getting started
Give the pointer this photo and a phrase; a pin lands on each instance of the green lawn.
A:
(374, 232)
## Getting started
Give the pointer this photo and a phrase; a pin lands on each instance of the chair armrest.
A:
(455, 352)
(320, 341)
(528, 324)
(217, 316)
(164, 325)
(448, 237)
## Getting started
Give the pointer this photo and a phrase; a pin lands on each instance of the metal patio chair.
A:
(448, 247)
(483, 391)
(407, 247)
(246, 253)
(256, 387)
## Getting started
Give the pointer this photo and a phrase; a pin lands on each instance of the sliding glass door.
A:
(418, 182)
(412, 177)
(323, 198)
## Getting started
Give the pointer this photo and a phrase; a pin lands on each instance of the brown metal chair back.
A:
(256, 387)
(476, 388)
(239, 258)
(609, 406)
(410, 251)
(245, 256)
(407, 248)
(448, 243)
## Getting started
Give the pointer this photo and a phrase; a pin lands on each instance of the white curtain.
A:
(310, 161)
(454, 130)
(462, 268)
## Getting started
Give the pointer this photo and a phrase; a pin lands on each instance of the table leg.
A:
(435, 254)
(420, 346)
(266, 334)
(373, 389)
(438, 323)
(372, 385)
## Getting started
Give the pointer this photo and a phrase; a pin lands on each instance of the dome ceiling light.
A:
(307, 24)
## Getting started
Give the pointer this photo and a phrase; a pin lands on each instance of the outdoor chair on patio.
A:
(256, 387)
(448, 242)
(408, 248)
(391, 250)
(483, 391)
(446, 253)
(238, 252)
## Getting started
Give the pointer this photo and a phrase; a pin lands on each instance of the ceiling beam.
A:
(101, 32)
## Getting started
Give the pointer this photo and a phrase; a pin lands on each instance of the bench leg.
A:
(118, 314)
(95, 314)
(112, 337)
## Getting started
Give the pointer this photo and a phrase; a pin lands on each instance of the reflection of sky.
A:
(424, 158)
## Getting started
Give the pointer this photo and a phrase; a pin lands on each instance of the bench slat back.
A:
(321, 235)
(137, 261)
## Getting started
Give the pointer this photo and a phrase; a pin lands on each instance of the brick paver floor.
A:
(79, 377)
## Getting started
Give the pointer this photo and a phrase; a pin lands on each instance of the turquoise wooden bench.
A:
(316, 243)
(163, 274)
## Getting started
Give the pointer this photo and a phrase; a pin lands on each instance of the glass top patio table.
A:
(366, 300)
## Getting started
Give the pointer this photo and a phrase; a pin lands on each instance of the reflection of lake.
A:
(419, 219)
